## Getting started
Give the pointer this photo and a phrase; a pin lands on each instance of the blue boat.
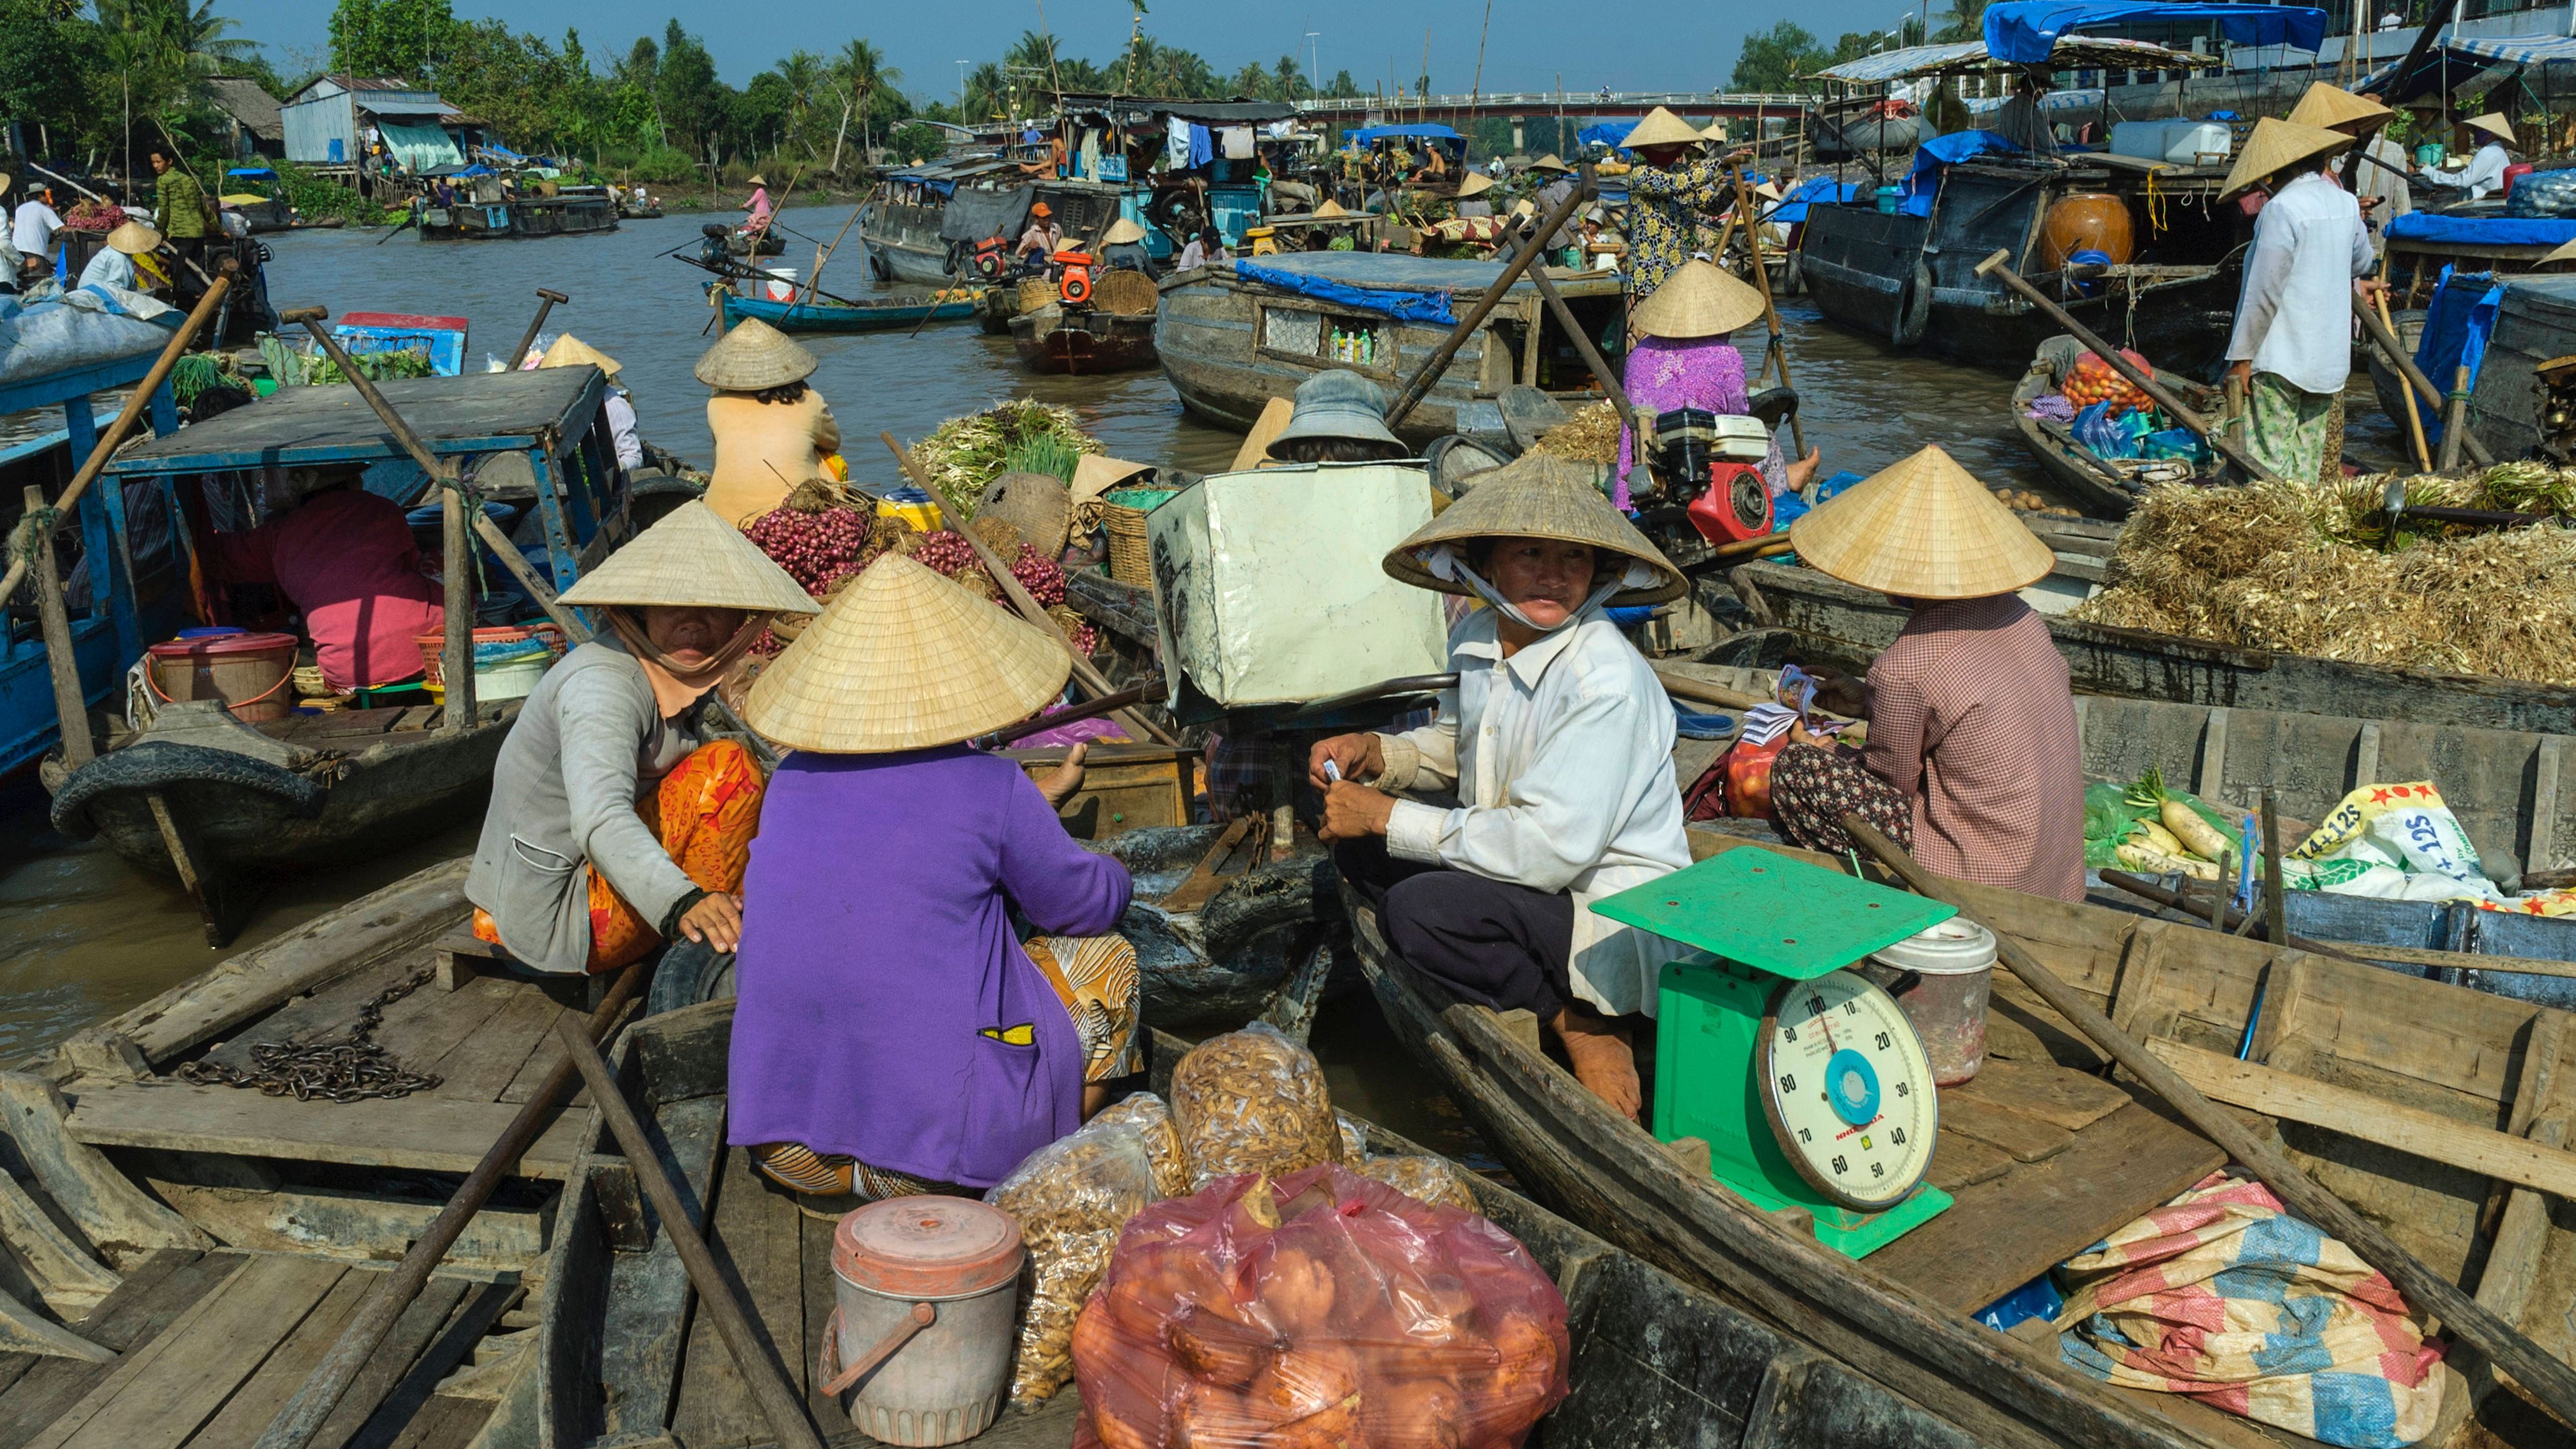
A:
(955, 304)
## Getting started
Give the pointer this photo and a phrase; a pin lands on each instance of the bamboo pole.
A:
(2406, 387)
(1744, 206)
(2385, 337)
(1429, 372)
(70, 708)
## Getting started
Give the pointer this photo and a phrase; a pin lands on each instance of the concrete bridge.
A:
(1520, 105)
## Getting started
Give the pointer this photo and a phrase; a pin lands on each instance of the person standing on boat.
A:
(1671, 188)
(1683, 357)
(758, 206)
(2484, 173)
(1972, 761)
(1123, 245)
(179, 205)
(772, 429)
(614, 825)
(1556, 743)
(1471, 195)
(913, 1036)
(2292, 349)
(571, 351)
(2378, 171)
(1550, 195)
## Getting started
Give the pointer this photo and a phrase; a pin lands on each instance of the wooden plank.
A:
(248, 1412)
(640, 1339)
(58, 1266)
(482, 1066)
(423, 1132)
(2540, 850)
(2026, 1138)
(158, 1290)
(2213, 759)
(2006, 1231)
(2052, 1094)
(2513, 1260)
(445, 1423)
(2370, 1119)
(1959, 1162)
(2365, 755)
(757, 1243)
(25, 1329)
(546, 1054)
(327, 1012)
(423, 1028)
(117, 1218)
(417, 717)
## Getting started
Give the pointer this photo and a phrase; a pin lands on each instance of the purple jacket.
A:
(878, 952)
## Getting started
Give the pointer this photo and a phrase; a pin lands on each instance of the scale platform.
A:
(1763, 922)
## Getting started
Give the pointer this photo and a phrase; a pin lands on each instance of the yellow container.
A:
(914, 507)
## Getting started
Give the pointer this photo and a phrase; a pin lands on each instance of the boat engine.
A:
(712, 243)
(1705, 485)
(992, 260)
(1075, 284)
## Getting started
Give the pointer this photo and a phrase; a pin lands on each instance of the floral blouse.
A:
(1665, 205)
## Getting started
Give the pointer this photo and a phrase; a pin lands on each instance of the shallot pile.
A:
(814, 548)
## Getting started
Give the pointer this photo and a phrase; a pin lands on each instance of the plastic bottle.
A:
(1368, 347)
(1337, 344)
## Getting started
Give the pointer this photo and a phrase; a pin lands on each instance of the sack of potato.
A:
(1318, 1310)
(2092, 380)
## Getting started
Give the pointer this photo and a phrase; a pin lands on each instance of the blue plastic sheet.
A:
(1407, 306)
(1808, 193)
(1691, 725)
(1923, 180)
(2456, 329)
(2485, 231)
(2024, 32)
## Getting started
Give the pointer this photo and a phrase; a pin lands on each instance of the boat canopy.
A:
(328, 424)
(2454, 64)
(1205, 113)
(2026, 32)
(253, 173)
(2072, 52)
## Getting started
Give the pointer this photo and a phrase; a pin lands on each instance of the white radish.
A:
(2139, 856)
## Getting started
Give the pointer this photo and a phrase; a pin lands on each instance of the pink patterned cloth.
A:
(1664, 373)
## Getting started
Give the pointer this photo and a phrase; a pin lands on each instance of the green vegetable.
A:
(1044, 453)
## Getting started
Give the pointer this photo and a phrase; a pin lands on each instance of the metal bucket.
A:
(918, 1347)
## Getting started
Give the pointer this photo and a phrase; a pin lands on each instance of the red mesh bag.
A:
(1319, 1310)
(2092, 380)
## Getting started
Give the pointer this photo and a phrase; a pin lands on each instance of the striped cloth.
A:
(2220, 1294)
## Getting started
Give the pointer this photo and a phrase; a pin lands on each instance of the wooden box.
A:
(1125, 786)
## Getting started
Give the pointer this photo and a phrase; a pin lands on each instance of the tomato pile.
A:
(2092, 380)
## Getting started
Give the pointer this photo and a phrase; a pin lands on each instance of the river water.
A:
(82, 936)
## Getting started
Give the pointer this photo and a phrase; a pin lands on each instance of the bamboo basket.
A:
(1131, 560)
(1124, 293)
(1035, 292)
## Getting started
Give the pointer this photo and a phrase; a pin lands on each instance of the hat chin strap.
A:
(1446, 565)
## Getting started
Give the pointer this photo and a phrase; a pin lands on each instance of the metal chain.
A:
(350, 1067)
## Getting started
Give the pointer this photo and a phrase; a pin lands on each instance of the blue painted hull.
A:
(834, 317)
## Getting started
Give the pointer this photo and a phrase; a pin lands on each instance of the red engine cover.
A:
(1737, 505)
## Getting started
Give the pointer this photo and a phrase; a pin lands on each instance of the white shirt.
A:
(1561, 759)
(2483, 174)
(621, 429)
(110, 266)
(2395, 200)
(1192, 255)
(2294, 319)
(35, 227)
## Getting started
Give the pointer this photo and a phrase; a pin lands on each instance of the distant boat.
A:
(823, 314)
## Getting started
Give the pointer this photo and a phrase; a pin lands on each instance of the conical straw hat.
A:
(904, 660)
(758, 180)
(571, 351)
(1331, 208)
(1662, 128)
(2566, 252)
(1476, 184)
(1121, 232)
(2331, 108)
(1716, 131)
(754, 355)
(692, 560)
(1921, 529)
(1549, 162)
(2494, 124)
(134, 238)
(1536, 496)
(2276, 146)
(1700, 299)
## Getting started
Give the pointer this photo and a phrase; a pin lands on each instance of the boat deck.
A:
(210, 1346)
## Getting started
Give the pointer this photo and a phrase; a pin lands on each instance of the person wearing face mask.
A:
(615, 826)
(1556, 743)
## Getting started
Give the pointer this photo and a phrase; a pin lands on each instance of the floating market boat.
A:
(2044, 1156)
(617, 1358)
(923, 222)
(1235, 335)
(821, 314)
(2103, 487)
(223, 805)
(1085, 343)
(573, 211)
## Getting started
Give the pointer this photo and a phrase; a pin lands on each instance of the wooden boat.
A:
(1231, 341)
(1841, 625)
(2043, 1156)
(2101, 487)
(822, 315)
(223, 807)
(572, 212)
(619, 1360)
(1083, 343)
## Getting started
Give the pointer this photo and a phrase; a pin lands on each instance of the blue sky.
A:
(1657, 45)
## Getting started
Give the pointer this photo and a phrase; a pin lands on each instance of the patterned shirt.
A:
(179, 205)
(1665, 205)
(1972, 718)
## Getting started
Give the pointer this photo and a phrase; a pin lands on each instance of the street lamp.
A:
(1314, 67)
(961, 90)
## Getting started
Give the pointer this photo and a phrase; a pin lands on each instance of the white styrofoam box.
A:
(1268, 587)
(2174, 142)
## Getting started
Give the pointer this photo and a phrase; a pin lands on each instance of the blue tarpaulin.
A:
(1411, 289)
(254, 173)
(1807, 193)
(1431, 132)
(2025, 31)
(2485, 231)
(1607, 133)
(2456, 329)
(1923, 180)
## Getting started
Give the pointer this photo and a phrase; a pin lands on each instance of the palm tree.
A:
(804, 73)
(861, 72)
(1251, 81)
(1967, 20)
(1287, 77)
(985, 92)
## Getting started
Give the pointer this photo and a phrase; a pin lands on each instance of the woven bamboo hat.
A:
(1549, 162)
(1700, 299)
(1330, 208)
(1923, 528)
(2332, 108)
(571, 351)
(133, 238)
(1121, 232)
(1716, 132)
(692, 559)
(758, 180)
(2564, 252)
(2494, 124)
(1476, 184)
(1662, 128)
(752, 356)
(2276, 146)
(904, 660)
(1537, 496)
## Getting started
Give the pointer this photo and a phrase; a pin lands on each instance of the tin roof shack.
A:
(326, 123)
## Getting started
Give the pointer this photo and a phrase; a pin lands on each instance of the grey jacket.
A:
(563, 802)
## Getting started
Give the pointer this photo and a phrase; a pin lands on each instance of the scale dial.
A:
(1848, 1090)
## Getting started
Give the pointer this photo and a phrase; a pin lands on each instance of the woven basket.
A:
(1124, 293)
(1035, 292)
(1131, 560)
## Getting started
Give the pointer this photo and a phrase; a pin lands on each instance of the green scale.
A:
(1804, 1078)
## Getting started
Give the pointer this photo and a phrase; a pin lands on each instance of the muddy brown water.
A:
(83, 936)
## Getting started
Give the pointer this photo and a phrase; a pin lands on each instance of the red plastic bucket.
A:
(248, 672)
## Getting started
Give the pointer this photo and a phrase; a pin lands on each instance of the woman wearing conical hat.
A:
(1556, 743)
(2484, 173)
(773, 430)
(1683, 356)
(1972, 760)
(2292, 348)
(615, 826)
(1123, 246)
(1668, 193)
(571, 351)
(2379, 182)
(895, 1032)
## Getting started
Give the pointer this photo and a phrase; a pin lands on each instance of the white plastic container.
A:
(918, 1347)
(513, 680)
(2175, 143)
(1952, 971)
(778, 284)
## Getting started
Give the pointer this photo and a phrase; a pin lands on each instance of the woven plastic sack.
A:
(1071, 1199)
(1153, 1123)
(1252, 1101)
(1317, 1311)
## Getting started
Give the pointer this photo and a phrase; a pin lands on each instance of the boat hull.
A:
(1083, 343)
(833, 317)
(518, 220)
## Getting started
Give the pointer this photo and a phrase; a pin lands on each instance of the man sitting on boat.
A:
(2292, 348)
(1123, 246)
(2484, 173)
(344, 558)
(1972, 760)
(772, 429)
(571, 351)
(897, 1031)
(1556, 743)
(1683, 357)
(613, 827)
(1038, 244)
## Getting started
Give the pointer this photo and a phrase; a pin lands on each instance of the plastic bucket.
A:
(918, 1347)
(1942, 978)
(779, 285)
(248, 672)
(510, 676)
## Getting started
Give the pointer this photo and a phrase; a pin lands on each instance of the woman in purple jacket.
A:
(931, 984)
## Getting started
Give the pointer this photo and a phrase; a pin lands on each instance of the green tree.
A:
(1967, 21)
(1343, 87)
(805, 75)
(861, 76)
(1772, 60)
(686, 93)
(46, 60)
(1252, 82)
(389, 37)
(1286, 79)
(987, 94)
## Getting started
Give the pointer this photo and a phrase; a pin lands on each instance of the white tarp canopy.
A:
(420, 147)
(2073, 52)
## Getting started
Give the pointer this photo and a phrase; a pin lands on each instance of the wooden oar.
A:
(1149, 692)
(824, 257)
(2406, 387)
(1429, 372)
(2138, 377)
(547, 297)
(2545, 1378)
(321, 1392)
